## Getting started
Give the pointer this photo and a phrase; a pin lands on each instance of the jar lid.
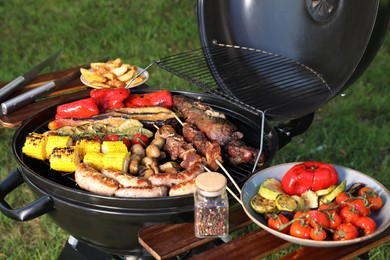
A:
(210, 181)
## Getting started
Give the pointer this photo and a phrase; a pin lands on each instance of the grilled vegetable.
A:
(311, 199)
(309, 175)
(35, 146)
(88, 145)
(118, 161)
(263, 205)
(94, 159)
(107, 99)
(286, 203)
(64, 159)
(331, 196)
(271, 188)
(354, 188)
(83, 108)
(161, 98)
(57, 141)
(326, 191)
(113, 147)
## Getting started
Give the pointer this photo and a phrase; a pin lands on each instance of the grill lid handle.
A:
(33, 210)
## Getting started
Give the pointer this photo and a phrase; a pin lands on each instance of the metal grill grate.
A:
(257, 80)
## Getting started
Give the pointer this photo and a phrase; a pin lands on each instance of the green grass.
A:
(351, 130)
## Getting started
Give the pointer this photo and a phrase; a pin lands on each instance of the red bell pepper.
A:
(309, 175)
(84, 108)
(109, 98)
(162, 98)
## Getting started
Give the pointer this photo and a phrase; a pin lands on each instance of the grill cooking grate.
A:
(256, 80)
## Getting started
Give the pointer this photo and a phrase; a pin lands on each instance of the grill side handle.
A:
(33, 210)
(293, 128)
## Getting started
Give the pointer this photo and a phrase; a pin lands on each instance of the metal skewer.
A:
(138, 74)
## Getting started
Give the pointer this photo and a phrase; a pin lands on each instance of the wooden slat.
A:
(165, 241)
(344, 252)
(254, 245)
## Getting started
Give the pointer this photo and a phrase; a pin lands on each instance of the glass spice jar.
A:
(211, 205)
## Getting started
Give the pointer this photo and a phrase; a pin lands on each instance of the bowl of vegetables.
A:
(317, 204)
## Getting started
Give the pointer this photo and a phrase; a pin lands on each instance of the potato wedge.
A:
(92, 76)
(127, 76)
(94, 65)
(120, 70)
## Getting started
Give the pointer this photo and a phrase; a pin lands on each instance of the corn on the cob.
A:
(95, 159)
(88, 145)
(118, 161)
(57, 141)
(35, 146)
(113, 147)
(64, 159)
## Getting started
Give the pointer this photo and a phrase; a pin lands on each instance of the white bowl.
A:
(381, 216)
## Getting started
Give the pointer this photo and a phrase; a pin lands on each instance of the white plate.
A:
(144, 74)
(381, 216)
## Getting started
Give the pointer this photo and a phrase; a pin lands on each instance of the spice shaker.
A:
(211, 205)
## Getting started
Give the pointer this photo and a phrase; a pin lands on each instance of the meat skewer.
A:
(217, 128)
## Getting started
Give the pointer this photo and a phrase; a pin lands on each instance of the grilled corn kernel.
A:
(64, 159)
(113, 147)
(95, 159)
(117, 161)
(88, 145)
(57, 141)
(35, 146)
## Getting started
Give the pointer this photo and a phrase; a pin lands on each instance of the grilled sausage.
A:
(183, 188)
(125, 179)
(91, 180)
(170, 179)
(142, 192)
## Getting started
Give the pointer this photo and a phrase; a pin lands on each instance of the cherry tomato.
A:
(140, 139)
(374, 200)
(342, 200)
(126, 142)
(318, 234)
(276, 221)
(361, 206)
(317, 219)
(112, 137)
(330, 207)
(301, 229)
(299, 214)
(366, 224)
(346, 231)
(334, 220)
(349, 215)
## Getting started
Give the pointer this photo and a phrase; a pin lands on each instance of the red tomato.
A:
(309, 175)
(317, 219)
(318, 234)
(299, 214)
(112, 137)
(126, 142)
(334, 220)
(366, 224)
(375, 201)
(276, 221)
(342, 200)
(301, 229)
(361, 206)
(346, 231)
(349, 215)
(330, 207)
(140, 139)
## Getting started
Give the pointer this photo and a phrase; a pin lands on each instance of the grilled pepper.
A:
(309, 176)
(109, 98)
(162, 98)
(83, 108)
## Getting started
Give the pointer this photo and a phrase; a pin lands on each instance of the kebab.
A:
(217, 128)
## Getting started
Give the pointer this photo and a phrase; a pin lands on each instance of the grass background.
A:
(351, 130)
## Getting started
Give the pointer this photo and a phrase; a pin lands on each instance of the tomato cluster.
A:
(347, 217)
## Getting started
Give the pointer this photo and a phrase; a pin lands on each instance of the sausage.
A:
(170, 179)
(142, 192)
(125, 179)
(91, 180)
(183, 188)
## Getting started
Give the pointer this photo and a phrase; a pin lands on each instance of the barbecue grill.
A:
(261, 63)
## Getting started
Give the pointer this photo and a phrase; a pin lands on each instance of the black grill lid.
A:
(328, 36)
